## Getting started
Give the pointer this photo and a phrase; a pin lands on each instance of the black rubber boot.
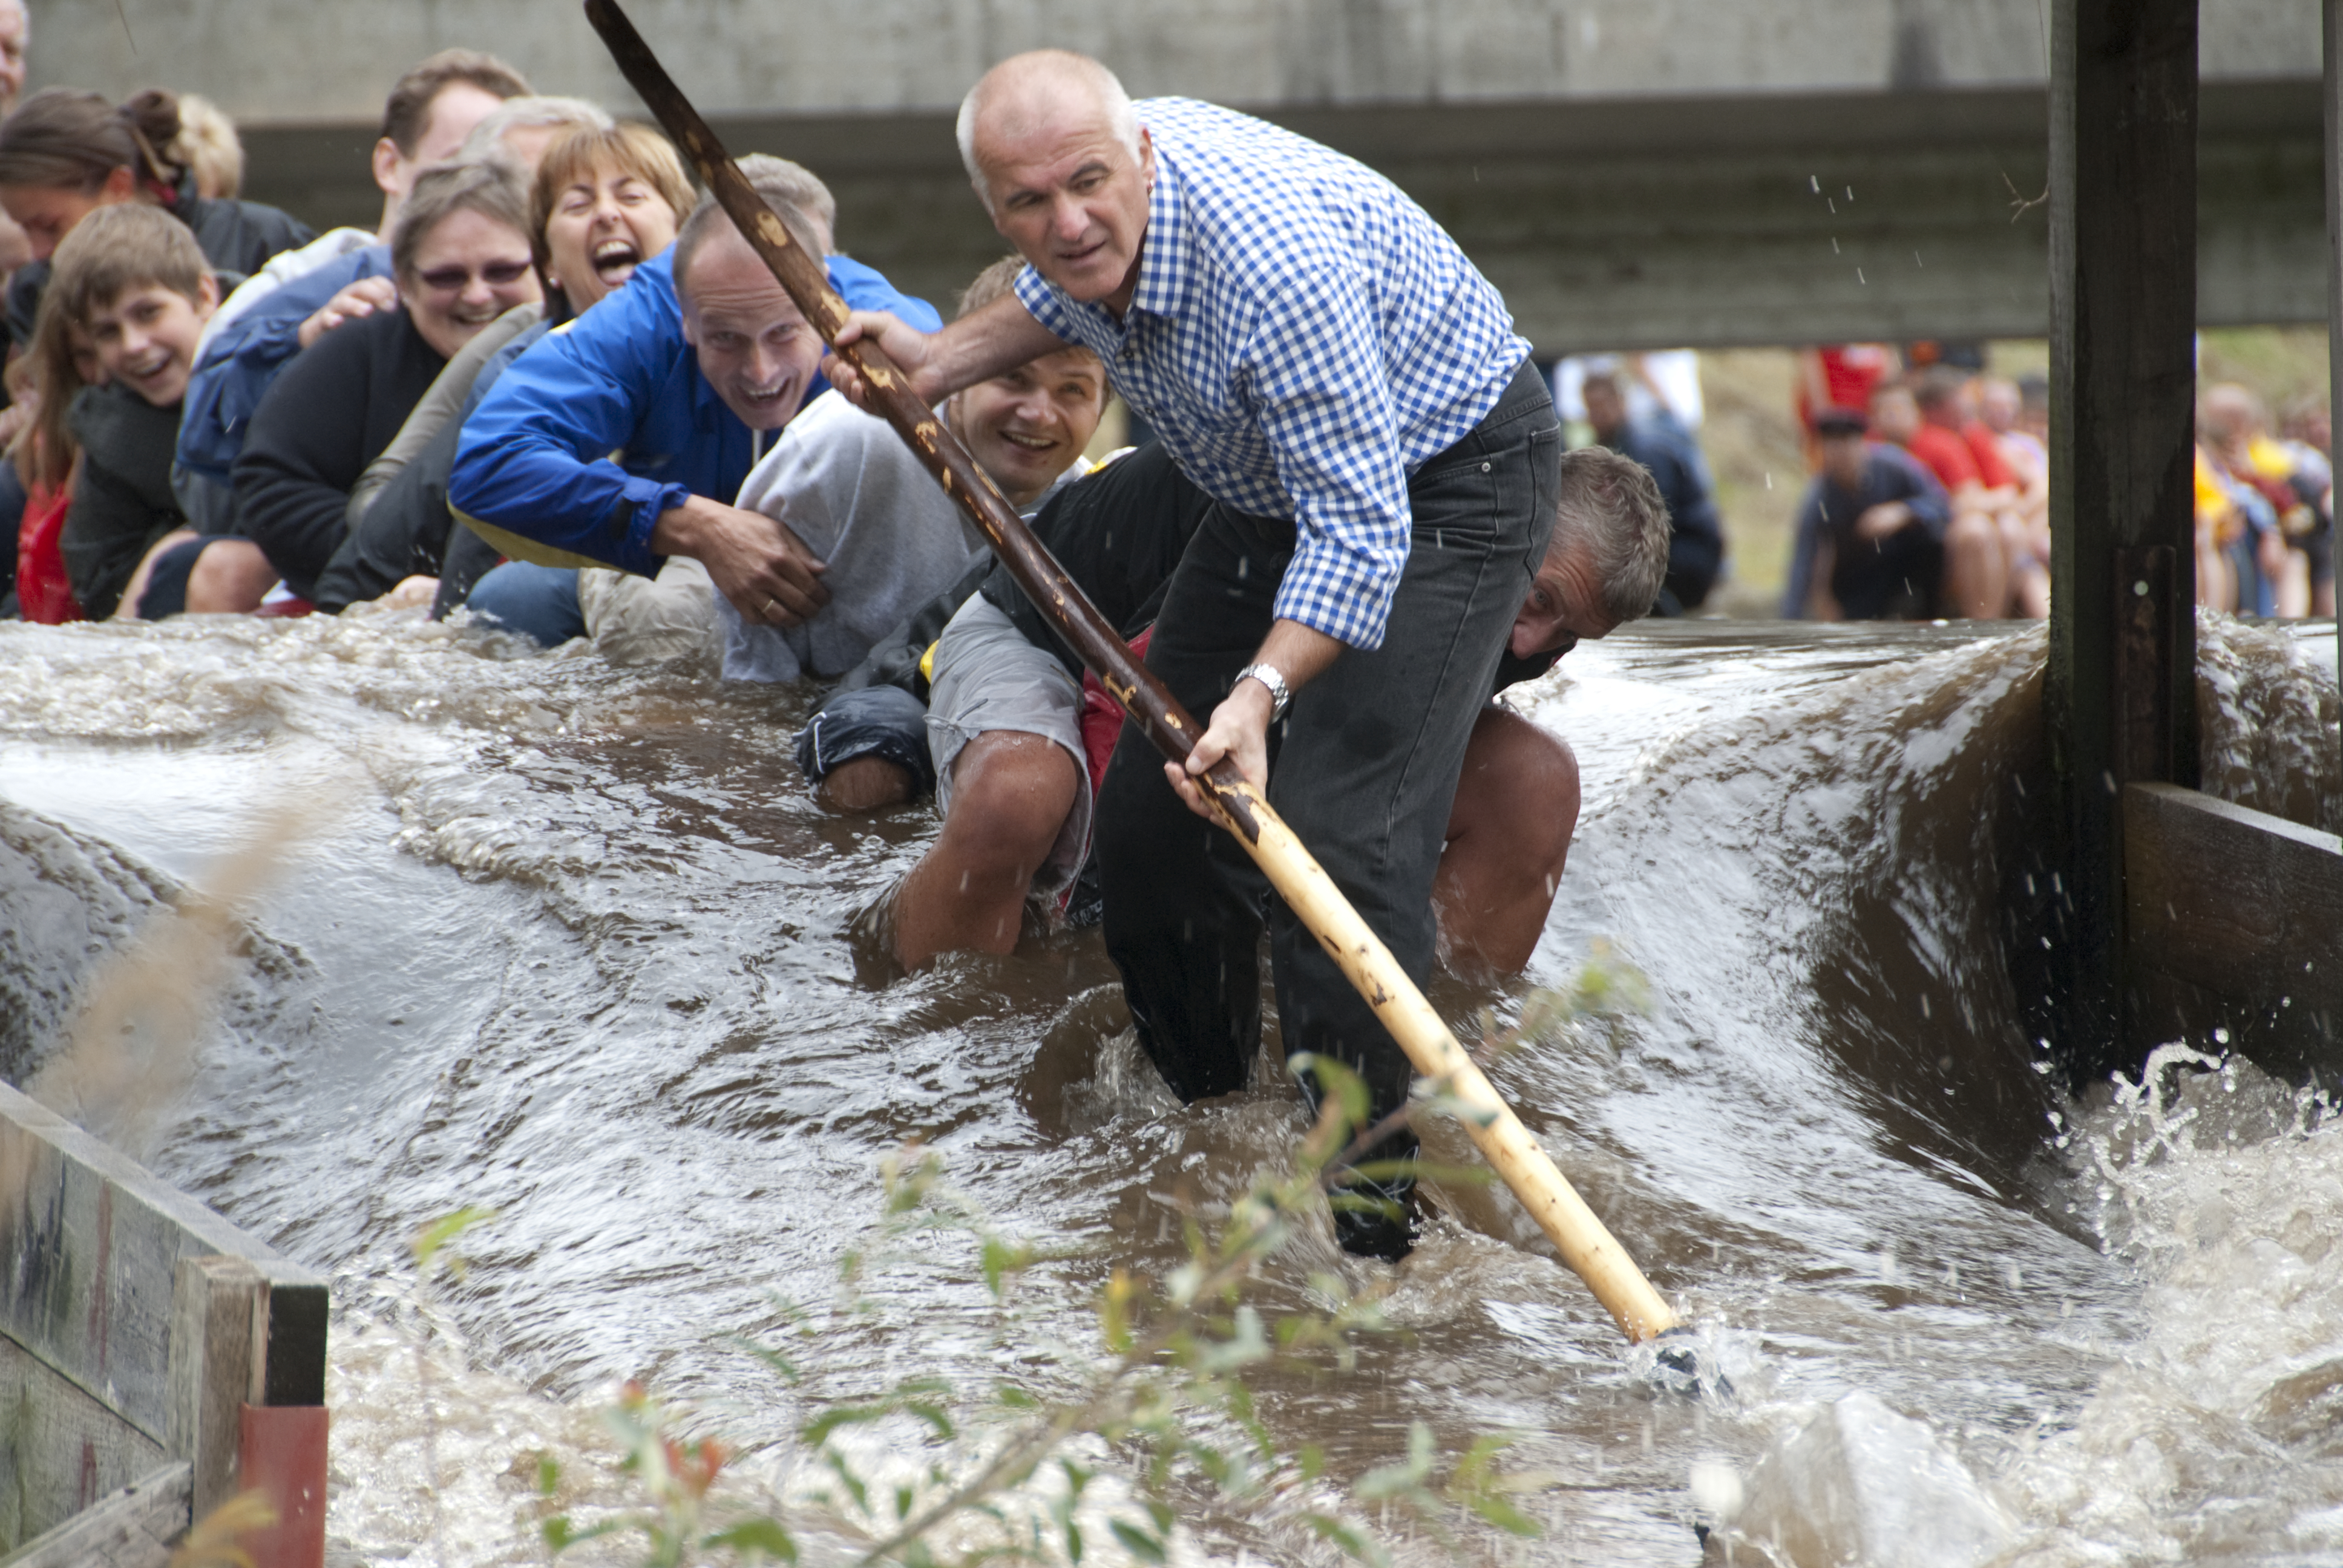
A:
(1382, 1226)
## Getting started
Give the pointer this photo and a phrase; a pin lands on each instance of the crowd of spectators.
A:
(1930, 494)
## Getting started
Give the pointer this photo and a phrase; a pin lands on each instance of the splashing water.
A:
(578, 947)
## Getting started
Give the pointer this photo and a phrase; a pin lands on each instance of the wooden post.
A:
(2330, 36)
(2121, 695)
(217, 1323)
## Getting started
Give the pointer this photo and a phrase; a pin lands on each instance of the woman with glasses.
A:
(460, 254)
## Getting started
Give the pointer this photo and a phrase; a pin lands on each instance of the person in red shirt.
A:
(1838, 376)
(1926, 422)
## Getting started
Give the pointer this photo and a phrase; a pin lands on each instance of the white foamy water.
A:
(573, 944)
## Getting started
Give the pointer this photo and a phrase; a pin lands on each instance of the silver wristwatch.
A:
(1279, 696)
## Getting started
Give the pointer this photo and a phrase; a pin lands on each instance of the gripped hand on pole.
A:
(1583, 1239)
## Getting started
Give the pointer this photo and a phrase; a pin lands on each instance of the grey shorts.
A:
(986, 677)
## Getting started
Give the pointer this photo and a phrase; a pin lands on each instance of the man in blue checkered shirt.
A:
(1320, 358)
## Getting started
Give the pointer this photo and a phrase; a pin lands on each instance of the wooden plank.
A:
(61, 1451)
(2245, 910)
(89, 1247)
(217, 1324)
(134, 1528)
(2330, 38)
(2123, 295)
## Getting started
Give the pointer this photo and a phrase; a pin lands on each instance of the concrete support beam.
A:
(1632, 224)
(2120, 697)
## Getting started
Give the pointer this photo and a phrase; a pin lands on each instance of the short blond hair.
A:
(628, 148)
(210, 147)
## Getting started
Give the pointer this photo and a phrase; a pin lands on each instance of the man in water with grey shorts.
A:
(1006, 715)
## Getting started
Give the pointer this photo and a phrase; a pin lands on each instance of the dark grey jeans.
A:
(1363, 766)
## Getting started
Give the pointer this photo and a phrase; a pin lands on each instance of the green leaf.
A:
(755, 1538)
(854, 1484)
(1493, 1508)
(1337, 1083)
(548, 1475)
(1147, 1548)
(1349, 1540)
(434, 1237)
(1408, 1475)
(560, 1534)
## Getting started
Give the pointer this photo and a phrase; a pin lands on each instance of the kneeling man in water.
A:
(1017, 750)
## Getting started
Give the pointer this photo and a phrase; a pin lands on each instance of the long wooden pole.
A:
(1585, 1244)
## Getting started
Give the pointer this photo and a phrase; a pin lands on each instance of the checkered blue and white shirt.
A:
(1302, 336)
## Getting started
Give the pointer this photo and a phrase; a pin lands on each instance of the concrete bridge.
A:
(1632, 173)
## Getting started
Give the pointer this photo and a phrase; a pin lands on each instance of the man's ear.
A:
(387, 159)
(207, 296)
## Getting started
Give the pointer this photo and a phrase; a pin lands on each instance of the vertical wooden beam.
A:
(2330, 38)
(2120, 697)
(217, 1307)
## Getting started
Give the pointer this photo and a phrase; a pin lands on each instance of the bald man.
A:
(1322, 361)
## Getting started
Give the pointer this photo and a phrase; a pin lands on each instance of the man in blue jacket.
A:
(623, 437)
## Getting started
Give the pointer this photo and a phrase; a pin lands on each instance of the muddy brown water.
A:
(575, 945)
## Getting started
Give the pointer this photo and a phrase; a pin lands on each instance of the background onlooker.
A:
(283, 308)
(603, 201)
(210, 148)
(135, 284)
(63, 154)
(1664, 446)
(1878, 538)
(461, 251)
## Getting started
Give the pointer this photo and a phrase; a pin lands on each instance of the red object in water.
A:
(1103, 719)
(282, 1457)
(43, 593)
(287, 607)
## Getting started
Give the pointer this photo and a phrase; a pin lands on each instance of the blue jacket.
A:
(606, 423)
(241, 361)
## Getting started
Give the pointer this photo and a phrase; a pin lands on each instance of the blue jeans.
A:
(539, 603)
(868, 721)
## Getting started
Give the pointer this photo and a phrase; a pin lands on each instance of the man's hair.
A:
(60, 139)
(993, 283)
(208, 145)
(708, 219)
(531, 112)
(408, 110)
(585, 153)
(490, 187)
(118, 248)
(798, 186)
(989, 285)
(1611, 508)
(1939, 385)
(1121, 118)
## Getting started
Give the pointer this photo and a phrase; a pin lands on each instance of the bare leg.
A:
(135, 588)
(866, 784)
(1976, 573)
(1010, 795)
(1508, 834)
(230, 578)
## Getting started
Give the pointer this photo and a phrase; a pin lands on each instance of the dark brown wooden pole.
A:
(2120, 695)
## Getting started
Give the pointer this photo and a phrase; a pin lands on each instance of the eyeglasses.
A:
(495, 275)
